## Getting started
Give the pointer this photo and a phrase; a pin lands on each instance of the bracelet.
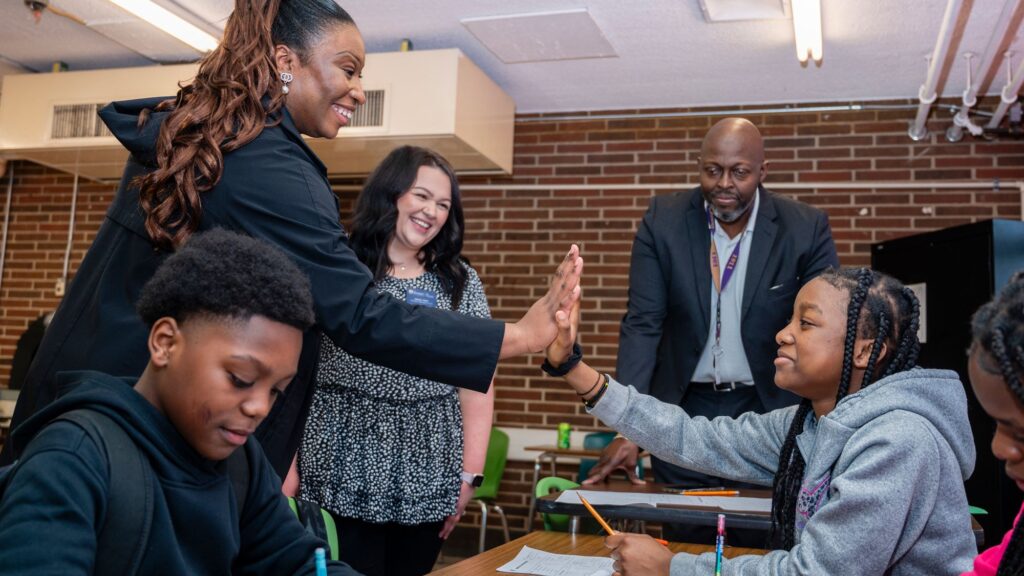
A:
(594, 399)
(591, 389)
(565, 367)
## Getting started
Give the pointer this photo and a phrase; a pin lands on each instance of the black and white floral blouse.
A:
(381, 445)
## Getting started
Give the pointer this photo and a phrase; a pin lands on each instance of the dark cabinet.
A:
(960, 269)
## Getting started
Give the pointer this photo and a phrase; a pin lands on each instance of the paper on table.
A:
(532, 561)
(730, 503)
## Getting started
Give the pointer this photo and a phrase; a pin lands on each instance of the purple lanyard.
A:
(726, 275)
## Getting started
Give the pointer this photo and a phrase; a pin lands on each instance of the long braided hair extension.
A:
(998, 328)
(223, 108)
(879, 308)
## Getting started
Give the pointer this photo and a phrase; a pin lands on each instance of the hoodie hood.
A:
(936, 396)
(168, 452)
(122, 118)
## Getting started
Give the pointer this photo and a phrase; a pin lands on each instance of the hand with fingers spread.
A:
(537, 328)
(638, 555)
(620, 454)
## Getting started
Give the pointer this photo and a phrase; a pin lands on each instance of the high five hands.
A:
(537, 328)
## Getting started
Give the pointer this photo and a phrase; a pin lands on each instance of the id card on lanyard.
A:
(721, 279)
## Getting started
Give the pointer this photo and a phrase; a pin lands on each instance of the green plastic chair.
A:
(487, 493)
(548, 485)
(593, 441)
(317, 521)
(597, 441)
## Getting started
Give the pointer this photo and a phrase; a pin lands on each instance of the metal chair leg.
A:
(504, 521)
(483, 524)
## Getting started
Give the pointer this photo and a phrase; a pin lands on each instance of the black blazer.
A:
(667, 321)
(276, 189)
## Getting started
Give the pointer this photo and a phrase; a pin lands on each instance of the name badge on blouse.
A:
(419, 297)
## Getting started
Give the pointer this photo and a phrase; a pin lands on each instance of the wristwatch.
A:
(474, 480)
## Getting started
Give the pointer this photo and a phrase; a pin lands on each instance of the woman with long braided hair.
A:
(996, 367)
(867, 472)
(227, 151)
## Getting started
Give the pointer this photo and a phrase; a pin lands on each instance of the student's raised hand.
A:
(638, 555)
(568, 324)
(537, 328)
(619, 454)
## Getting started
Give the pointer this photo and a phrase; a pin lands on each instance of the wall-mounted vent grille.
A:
(372, 113)
(77, 121)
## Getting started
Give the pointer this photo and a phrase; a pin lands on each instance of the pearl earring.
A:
(286, 78)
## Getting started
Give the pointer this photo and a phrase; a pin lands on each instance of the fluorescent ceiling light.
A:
(807, 29)
(170, 23)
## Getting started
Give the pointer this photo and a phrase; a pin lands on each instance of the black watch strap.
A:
(565, 367)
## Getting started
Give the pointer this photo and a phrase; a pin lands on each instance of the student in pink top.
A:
(996, 367)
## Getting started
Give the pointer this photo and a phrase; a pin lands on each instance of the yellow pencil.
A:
(699, 492)
(604, 524)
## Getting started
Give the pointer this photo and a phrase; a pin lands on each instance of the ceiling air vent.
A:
(370, 114)
(77, 121)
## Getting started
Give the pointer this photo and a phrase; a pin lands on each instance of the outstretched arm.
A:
(744, 448)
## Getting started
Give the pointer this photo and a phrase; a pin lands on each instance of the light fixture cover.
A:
(738, 10)
(807, 29)
(541, 36)
(170, 23)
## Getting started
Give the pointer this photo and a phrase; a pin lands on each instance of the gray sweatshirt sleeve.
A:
(744, 448)
(870, 520)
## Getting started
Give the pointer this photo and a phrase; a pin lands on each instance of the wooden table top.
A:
(552, 449)
(581, 452)
(561, 543)
(681, 514)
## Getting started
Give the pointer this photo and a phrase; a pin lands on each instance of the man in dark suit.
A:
(713, 276)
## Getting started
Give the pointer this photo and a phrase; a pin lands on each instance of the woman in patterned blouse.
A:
(384, 450)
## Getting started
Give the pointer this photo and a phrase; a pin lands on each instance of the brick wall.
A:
(518, 229)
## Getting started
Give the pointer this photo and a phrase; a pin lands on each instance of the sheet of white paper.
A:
(540, 563)
(729, 503)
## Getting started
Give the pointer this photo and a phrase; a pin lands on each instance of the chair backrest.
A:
(547, 485)
(318, 522)
(593, 441)
(597, 440)
(494, 466)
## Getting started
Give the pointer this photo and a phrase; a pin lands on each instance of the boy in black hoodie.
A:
(226, 316)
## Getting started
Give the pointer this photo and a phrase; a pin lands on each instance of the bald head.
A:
(731, 170)
(735, 134)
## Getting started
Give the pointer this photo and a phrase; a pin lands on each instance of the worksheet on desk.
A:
(533, 561)
(727, 503)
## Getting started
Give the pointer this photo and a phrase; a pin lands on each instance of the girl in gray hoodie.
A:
(867, 472)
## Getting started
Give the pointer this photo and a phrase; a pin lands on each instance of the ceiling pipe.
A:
(962, 119)
(1009, 93)
(927, 95)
